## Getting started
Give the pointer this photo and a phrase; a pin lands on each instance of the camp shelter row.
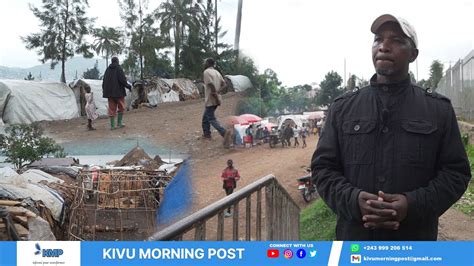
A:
(24, 102)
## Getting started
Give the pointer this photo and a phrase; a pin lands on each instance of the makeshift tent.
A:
(240, 82)
(157, 90)
(96, 88)
(298, 120)
(20, 188)
(184, 87)
(25, 101)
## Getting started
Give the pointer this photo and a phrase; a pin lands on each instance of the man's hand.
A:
(374, 217)
(396, 202)
(363, 199)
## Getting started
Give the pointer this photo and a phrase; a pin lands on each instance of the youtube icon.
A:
(273, 253)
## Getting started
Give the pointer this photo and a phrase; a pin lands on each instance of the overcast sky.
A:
(301, 40)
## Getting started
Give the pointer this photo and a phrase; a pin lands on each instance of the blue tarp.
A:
(177, 196)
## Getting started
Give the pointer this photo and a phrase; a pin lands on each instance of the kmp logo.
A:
(48, 253)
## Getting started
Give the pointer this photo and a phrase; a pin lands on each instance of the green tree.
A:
(30, 77)
(177, 16)
(330, 88)
(92, 73)
(107, 42)
(23, 144)
(251, 105)
(144, 40)
(154, 61)
(436, 73)
(132, 13)
(200, 43)
(63, 27)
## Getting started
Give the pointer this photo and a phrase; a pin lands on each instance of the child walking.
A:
(91, 109)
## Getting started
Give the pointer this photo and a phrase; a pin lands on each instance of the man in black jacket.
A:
(390, 159)
(113, 88)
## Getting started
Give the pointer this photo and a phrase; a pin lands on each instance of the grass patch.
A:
(317, 222)
(466, 203)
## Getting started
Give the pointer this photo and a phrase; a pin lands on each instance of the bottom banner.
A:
(211, 253)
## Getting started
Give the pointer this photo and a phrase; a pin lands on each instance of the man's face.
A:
(392, 52)
(229, 163)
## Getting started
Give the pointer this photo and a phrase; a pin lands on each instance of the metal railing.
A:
(277, 215)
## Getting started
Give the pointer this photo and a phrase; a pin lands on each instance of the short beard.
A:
(385, 72)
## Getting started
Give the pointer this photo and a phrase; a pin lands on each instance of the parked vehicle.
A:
(307, 187)
(274, 137)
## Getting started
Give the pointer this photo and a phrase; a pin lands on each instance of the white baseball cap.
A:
(406, 27)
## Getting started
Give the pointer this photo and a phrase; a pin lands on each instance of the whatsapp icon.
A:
(355, 248)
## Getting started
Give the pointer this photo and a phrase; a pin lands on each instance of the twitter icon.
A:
(312, 253)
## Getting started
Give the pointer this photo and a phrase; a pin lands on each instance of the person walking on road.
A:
(213, 83)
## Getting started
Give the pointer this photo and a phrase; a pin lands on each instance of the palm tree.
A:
(176, 16)
(107, 41)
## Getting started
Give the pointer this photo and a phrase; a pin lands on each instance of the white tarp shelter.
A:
(26, 186)
(158, 90)
(299, 120)
(25, 101)
(240, 82)
(183, 86)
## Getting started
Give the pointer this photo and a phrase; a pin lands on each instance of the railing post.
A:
(297, 227)
(235, 229)
(247, 218)
(269, 190)
(220, 226)
(259, 215)
(200, 231)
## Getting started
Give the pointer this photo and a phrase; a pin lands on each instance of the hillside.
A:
(73, 65)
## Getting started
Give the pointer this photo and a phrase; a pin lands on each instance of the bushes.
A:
(23, 144)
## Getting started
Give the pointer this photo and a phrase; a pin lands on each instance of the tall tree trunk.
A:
(177, 43)
(140, 54)
(63, 77)
(237, 28)
(216, 29)
(63, 52)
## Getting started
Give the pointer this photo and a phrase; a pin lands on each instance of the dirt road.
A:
(179, 124)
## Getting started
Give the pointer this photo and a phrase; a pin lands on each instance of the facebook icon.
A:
(301, 253)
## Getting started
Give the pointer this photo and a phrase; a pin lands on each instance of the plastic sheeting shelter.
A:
(158, 90)
(27, 186)
(239, 82)
(299, 120)
(24, 101)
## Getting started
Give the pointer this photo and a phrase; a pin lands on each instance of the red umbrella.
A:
(251, 118)
(236, 120)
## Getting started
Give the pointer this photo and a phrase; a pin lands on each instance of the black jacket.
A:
(397, 138)
(114, 82)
